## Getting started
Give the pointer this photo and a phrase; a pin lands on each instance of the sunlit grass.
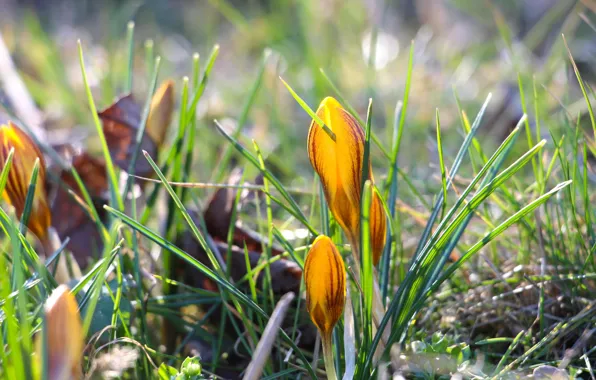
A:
(489, 254)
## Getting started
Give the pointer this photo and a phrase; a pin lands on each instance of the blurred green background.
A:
(468, 48)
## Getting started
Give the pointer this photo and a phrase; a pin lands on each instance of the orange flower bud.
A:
(25, 153)
(160, 114)
(339, 163)
(378, 227)
(64, 335)
(325, 279)
(339, 166)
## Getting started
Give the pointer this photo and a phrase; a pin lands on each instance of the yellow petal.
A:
(160, 115)
(64, 332)
(325, 279)
(339, 163)
(378, 227)
(25, 154)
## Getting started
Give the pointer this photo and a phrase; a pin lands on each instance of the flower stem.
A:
(328, 356)
(378, 308)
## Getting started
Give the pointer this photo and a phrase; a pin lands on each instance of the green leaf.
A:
(165, 372)
(115, 198)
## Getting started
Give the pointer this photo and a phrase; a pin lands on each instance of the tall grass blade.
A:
(115, 198)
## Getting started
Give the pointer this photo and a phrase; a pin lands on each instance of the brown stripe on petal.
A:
(329, 288)
(5, 151)
(318, 316)
(312, 148)
(355, 126)
(310, 143)
(357, 136)
(307, 280)
(336, 302)
(15, 191)
(317, 156)
(378, 227)
(340, 285)
(21, 182)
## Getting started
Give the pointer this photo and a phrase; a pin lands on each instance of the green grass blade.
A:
(149, 56)
(582, 87)
(309, 111)
(130, 33)
(115, 197)
(29, 198)
(441, 164)
(510, 349)
(141, 129)
(190, 143)
(391, 177)
(367, 273)
(192, 109)
(366, 155)
(392, 201)
(104, 234)
(98, 281)
(6, 170)
(10, 323)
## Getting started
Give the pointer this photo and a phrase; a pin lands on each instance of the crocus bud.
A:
(378, 227)
(325, 279)
(339, 166)
(339, 163)
(160, 114)
(23, 161)
(64, 336)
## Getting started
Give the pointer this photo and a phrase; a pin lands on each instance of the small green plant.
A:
(189, 370)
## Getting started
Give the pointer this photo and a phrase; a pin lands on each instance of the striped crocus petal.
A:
(378, 227)
(325, 279)
(64, 335)
(25, 154)
(339, 163)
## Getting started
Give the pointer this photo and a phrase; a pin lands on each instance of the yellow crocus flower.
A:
(339, 166)
(325, 280)
(25, 154)
(378, 227)
(64, 336)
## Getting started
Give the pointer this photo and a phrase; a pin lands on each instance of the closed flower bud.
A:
(23, 161)
(160, 114)
(339, 166)
(339, 163)
(378, 227)
(325, 279)
(64, 336)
